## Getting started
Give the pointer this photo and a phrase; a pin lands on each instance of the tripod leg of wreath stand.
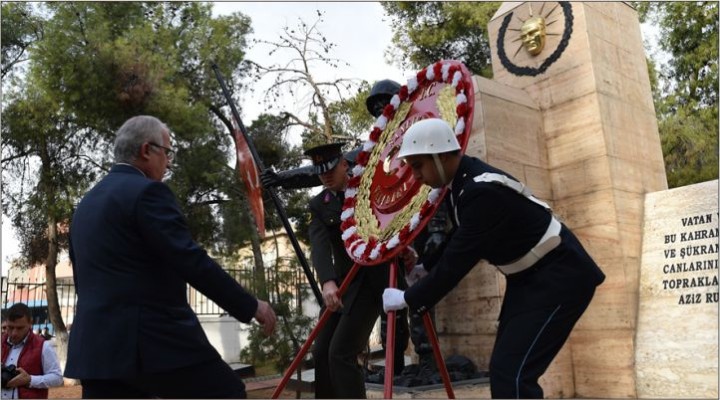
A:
(311, 338)
(390, 337)
(430, 329)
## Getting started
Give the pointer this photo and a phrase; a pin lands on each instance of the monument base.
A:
(469, 389)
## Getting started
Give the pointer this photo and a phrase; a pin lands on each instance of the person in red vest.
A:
(27, 356)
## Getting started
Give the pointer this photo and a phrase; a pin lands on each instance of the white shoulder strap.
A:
(512, 184)
(550, 240)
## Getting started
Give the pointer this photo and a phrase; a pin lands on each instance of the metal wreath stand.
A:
(384, 207)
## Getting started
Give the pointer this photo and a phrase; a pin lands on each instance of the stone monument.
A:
(570, 112)
(676, 351)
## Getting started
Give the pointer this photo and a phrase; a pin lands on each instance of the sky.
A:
(362, 44)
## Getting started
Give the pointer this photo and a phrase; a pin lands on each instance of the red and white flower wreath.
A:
(373, 248)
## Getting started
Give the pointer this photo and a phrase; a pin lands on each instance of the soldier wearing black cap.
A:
(325, 157)
(428, 243)
(307, 176)
(345, 335)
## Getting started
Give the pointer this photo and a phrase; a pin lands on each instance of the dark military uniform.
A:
(345, 335)
(542, 303)
(429, 243)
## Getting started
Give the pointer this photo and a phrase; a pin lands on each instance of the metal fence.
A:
(33, 293)
(281, 284)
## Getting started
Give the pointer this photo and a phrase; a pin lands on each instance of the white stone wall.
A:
(226, 334)
(677, 331)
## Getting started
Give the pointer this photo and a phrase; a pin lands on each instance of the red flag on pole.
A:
(249, 174)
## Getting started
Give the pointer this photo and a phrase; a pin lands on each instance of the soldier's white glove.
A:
(415, 274)
(393, 299)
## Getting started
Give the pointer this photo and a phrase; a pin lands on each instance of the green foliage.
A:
(132, 58)
(100, 63)
(425, 32)
(351, 120)
(292, 326)
(21, 27)
(686, 88)
(690, 147)
(269, 134)
(44, 168)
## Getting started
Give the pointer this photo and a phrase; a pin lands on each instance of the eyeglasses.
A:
(169, 153)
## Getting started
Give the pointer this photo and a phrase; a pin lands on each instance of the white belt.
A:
(550, 240)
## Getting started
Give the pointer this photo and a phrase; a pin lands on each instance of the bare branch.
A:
(16, 156)
(208, 202)
(308, 48)
(298, 121)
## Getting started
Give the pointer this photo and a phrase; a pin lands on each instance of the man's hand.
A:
(417, 273)
(21, 380)
(393, 299)
(408, 256)
(266, 317)
(269, 178)
(330, 296)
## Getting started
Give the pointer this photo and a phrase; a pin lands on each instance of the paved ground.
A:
(66, 392)
(262, 389)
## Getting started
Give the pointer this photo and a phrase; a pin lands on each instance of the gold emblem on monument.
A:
(533, 28)
(543, 30)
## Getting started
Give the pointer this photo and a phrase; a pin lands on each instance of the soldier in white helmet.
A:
(550, 277)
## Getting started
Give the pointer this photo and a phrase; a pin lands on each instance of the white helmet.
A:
(428, 136)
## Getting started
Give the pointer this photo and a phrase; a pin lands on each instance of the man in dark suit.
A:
(134, 333)
(344, 336)
(550, 277)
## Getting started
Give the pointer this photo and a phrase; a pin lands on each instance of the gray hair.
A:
(133, 133)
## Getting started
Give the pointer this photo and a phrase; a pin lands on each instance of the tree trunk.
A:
(259, 269)
(46, 185)
(61, 335)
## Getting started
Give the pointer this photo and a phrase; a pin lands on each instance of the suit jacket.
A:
(329, 256)
(497, 224)
(133, 256)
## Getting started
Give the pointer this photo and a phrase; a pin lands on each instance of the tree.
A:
(268, 134)
(45, 168)
(306, 49)
(280, 348)
(425, 32)
(350, 117)
(96, 65)
(21, 27)
(686, 90)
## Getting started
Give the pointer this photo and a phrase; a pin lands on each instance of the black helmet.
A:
(380, 95)
(351, 156)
